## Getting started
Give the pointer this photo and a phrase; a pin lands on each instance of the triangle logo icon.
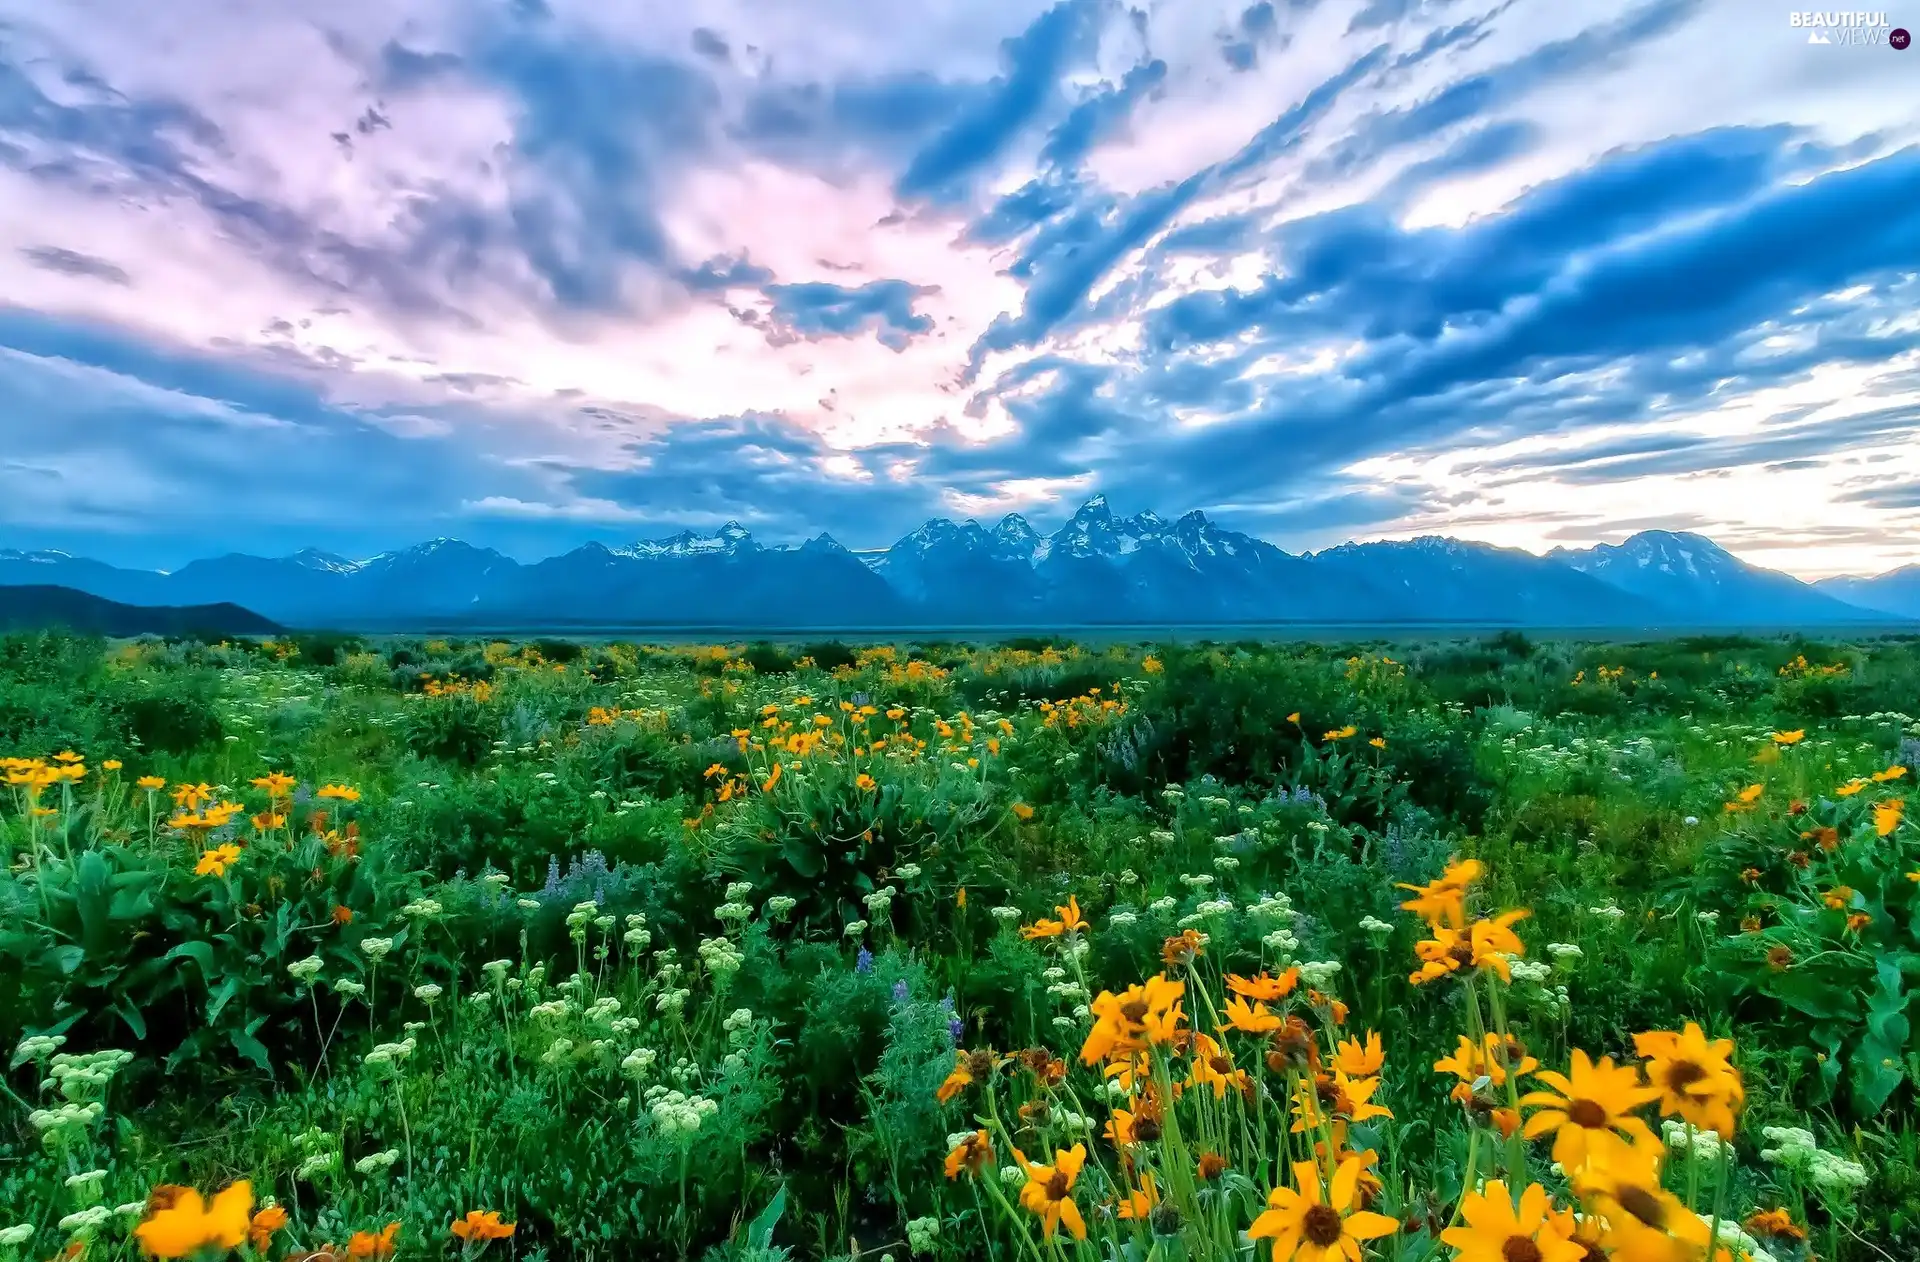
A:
(1818, 37)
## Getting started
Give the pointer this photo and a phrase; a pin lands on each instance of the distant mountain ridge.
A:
(39, 607)
(1098, 568)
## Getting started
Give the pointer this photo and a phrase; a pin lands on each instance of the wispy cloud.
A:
(544, 270)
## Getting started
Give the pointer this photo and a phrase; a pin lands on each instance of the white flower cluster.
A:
(637, 938)
(1317, 973)
(377, 1163)
(603, 1009)
(320, 1154)
(880, 902)
(82, 1075)
(908, 871)
(856, 928)
(1121, 919)
(427, 993)
(376, 949)
(739, 1024)
(1281, 941)
(1375, 927)
(85, 1221)
(1608, 912)
(1225, 862)
(677, 1113)
(738, 890)
(1684, 1139)
(730, 912)
(38, 1047)
(1162, 905)
(1535, 971)
(579, 918)
(423, 909)
(1564, 952)
(1197, 880)
(496, 970)
(923, 1234)
(558, 1050)
(551, 1010)
(1275, 907)
(18, 1235)
(1129, 877)
(1005, 915)
(778, 906)
(638, 1062)
(1796, 1149)
(58, 1124)
(721, 957)
(1160, 836)
(672, 1001)
(305, 970)
(390, 1053)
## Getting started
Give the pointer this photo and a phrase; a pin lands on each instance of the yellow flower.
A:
(1340, 734)
(1212, 1067)
(1294, 717)
(968, 1068)
(111, 764)
(367, 1244)
(1352, 1057)
(1789, 738)
(865, 783)
(338, 792)
(1643, 1222)
(1049, 1190)
(1591, 1110)
(1886, 816)
(481, 1225)
(150, 783)
(970, 1154)
(265, 1223)
(1850, 788)
(1139, 1016)
(1139, 1202)
(1264, 987)
(1880, 777)
(1071, 921)
(1444, 900)
(179, 1223)
(1250, 1018)
(1378, 742)
(1316, 1224)
(216, 861)
(1487, 945)
(1497, 1230)
(275, 783)
(1022, 811)
(1696, 1078)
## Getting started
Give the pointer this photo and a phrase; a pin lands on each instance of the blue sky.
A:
(532, 272)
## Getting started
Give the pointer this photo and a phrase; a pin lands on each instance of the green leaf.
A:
(136, 1023)
(200, 953)
(803, 857)
(250, 1047)
(760, 1230)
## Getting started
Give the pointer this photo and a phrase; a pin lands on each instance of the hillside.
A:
(32, 608)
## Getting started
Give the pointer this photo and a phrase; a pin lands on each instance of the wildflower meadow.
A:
(1474, 950)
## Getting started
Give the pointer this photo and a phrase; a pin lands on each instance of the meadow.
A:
(1475, 949)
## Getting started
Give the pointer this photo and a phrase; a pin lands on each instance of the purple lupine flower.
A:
(900, 993)
(863, 963)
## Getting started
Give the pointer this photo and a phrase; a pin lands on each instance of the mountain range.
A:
(1098, 568)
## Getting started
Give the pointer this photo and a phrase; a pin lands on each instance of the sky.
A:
(534, 272)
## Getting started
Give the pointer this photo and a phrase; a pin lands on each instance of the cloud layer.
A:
(530, 272)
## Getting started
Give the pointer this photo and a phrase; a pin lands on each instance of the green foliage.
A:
(560, 857)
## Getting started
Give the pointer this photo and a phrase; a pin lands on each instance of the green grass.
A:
(645, 997)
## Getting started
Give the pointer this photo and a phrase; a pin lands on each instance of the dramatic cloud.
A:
(536, 272)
